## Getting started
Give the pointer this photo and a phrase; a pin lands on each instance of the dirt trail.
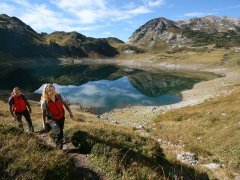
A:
(83, 167)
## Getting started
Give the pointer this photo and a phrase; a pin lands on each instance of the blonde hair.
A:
(45, 96)
(16, 89)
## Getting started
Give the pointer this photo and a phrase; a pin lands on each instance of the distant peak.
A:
(161, 19)
(4, 15)
(179, 33)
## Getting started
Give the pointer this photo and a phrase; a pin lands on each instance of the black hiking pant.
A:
(57, 128)
(27, 116)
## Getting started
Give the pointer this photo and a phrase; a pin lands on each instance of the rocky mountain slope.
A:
(218, 30)
(19, 40)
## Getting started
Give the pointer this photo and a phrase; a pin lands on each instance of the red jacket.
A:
(55, 109)
(19, 104)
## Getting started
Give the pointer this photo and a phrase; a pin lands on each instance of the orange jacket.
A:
(55, 109)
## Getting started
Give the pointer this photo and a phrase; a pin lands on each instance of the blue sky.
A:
(105, 18)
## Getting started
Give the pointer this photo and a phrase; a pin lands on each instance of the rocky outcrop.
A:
(211, 24)
(156, 32)
(221, 31)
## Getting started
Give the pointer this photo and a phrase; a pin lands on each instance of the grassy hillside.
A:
(18, 40)
(211, 130)
(118, 152)
(207, 56)
(24, 156)
(221, 39)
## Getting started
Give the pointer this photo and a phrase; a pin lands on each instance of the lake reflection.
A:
(106, 95)
(103, 87)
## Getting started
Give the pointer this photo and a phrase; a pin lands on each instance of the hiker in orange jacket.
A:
(19, 106)
(53, 114)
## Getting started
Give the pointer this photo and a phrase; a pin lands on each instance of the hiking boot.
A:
(20, 126)
(59, 145)
(47, 128)
(30, 129)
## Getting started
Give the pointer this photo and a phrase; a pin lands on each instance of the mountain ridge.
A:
(195, 31)
(20, 40)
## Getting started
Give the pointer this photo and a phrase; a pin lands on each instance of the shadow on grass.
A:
(128, 154)
(85, 173)
(79, 172)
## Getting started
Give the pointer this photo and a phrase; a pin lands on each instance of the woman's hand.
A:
(71, 115)
(15, 118)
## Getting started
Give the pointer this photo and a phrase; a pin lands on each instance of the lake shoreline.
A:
(146, 111)
(149, 64)
(190, 97)
(200, 92)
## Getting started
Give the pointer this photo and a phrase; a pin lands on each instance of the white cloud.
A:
(74, 15)
(156, 3)
(87, 16)
(194, 14)
(130, 5)
(139, 10)
(7, 9)
(228, 7)
(43, 19)
(76, 4)
(90, 12)
(39, 16)
(107, 33)
(86, 11)
(89, 89)
(124, 16)
(22, 3)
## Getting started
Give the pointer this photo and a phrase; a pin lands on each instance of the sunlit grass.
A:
(207, 56)
(210, 129)
(118, 151)
(24, 156)
(121, 153)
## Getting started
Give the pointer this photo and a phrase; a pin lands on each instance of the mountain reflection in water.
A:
(103, 87)
(105, 95)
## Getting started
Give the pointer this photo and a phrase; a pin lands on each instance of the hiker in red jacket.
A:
(19, 106)
(53, 114)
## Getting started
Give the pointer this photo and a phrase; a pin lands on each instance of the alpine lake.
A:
(103, 87)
